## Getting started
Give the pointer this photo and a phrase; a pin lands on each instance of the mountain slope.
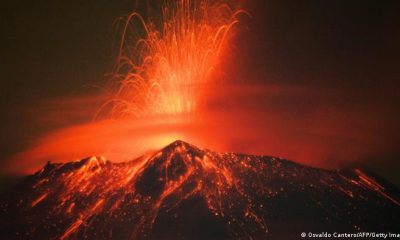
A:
(183, 192)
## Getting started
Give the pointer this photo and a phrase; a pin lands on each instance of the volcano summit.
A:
(184, 192)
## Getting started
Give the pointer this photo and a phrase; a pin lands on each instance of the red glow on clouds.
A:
(264, 120)
(172, 89)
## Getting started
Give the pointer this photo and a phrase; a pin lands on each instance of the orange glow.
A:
(212, 174)
(167, 68)
(166, 90)
(39, 199)
(163, 74)
(313, 140)
(167, 87)
(102, 189)
(370, 183)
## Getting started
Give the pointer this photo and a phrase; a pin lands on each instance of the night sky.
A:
(346, 51)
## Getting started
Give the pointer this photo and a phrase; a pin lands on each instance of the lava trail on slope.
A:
(184, 192)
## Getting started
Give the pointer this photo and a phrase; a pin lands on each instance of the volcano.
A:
(184, 192)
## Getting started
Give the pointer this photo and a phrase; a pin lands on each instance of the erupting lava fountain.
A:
(166, 70)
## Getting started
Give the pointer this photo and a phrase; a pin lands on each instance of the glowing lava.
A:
(165, 68)
(186, 192)
(163, 89)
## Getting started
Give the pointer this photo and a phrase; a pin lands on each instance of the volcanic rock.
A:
(184, 192)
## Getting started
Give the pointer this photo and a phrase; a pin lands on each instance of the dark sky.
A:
(53, 48)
